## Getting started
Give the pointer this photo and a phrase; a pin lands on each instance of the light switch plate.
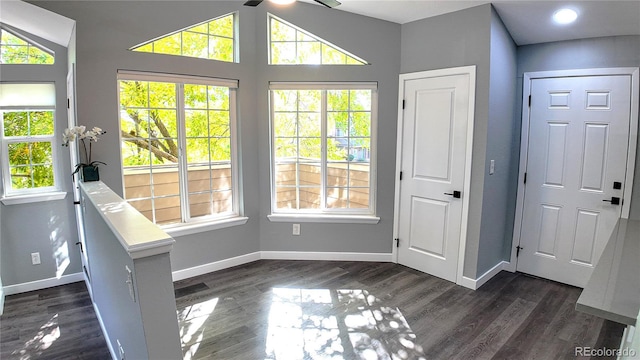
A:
(492, 167)
(296, 229)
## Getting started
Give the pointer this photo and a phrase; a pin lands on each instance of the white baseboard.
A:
(475, 284)
(114, 355)
(332, 256)
(277, 255)
(1, 300)
(215, 266)
(42, 284)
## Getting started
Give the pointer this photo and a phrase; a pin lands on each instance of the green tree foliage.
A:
(30, 160)
(14, 50)
(297, 124)
(291, 45)
(211, 40)
(149, 125)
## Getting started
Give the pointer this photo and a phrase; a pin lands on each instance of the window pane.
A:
(285, 100)
(162, 95)
(197, 150)
(19, 154)
(332, 56)
(41, 123)
(286, 148)
(360, 124)
(286, 174)
(285, 124)
(282, 32)
(168, 45)
(309, 124)
(359, 175)
(165, 181)
(220, 149)
(134, 94)
(310, 198)
(195, 96)
(219, 123)
(30, 165)
(220, 48)
(337, 100)
(16, 123)
(194, 44)
(21, 177)
(337, 197)
(359, 149)
(310, 148)
(222, 26)
(286, 198)
(145, 207)
(360, 100)
(337, 123)
(167, 210)
(196, 123)
(137, 184)
(218, 97)
(41, 153)
(200, 204)
(283, 53)
(358, 198)
(309, 53)
(309, 100)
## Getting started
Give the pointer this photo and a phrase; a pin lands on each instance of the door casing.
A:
(471, 71)
(524, 140)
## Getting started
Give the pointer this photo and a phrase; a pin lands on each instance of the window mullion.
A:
(323, 152)
(182, 159)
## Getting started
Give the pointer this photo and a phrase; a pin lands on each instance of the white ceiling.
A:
(529, 22)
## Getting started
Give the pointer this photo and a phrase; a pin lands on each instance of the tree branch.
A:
(141, 144)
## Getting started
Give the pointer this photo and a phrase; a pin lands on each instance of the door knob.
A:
(614, 200)
(456, 194)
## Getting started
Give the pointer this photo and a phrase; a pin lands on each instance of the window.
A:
(323, 152)
(28, 138)
(178, 147)
(16, 50)
(290, 45)
(214, 40)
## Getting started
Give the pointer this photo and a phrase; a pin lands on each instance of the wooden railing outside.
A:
(211, 194)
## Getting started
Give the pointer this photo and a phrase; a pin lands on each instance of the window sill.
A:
(32, 198)
(322, 218)
(198, 227)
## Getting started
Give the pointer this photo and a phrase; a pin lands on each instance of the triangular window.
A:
(16, 50)
(290, 45)
(214, 39)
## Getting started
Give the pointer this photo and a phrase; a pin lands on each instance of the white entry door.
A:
(438, 111)
(575, 174)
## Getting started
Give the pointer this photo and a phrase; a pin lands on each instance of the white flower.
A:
(68, 136)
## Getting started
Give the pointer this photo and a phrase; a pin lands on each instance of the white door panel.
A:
(434, 150)
(578, 142)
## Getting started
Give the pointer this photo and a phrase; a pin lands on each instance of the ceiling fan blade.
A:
(328, 3)
(253, 3)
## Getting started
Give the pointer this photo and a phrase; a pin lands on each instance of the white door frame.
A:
(462, 70)
(524, 143)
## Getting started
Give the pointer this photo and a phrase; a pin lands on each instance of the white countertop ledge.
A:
(138, 236)
(613, 291)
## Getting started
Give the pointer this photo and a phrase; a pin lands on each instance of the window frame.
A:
(338, 215)
(235, 39)
(296, 42)
(30, 43)
(15, 196)
(188, 224)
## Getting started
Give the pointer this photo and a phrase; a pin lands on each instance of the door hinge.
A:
(403, 104)
(518, 248)
(80, 244)
(397, 242)
(400, 175)
(68, 103)
(529, 100)
(525, 178)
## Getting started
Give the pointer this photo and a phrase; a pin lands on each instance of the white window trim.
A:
(204, 223)
(319, 39)
(327, 215)
(30, 195)
(236, 37)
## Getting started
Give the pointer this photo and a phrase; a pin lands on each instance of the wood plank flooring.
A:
(276, 309)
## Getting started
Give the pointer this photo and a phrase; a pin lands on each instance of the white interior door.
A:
(433, 146)
(576, 166)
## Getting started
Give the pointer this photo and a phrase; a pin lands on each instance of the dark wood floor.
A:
(274, 309)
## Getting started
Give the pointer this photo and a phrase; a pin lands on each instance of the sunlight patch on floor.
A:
(46, 336)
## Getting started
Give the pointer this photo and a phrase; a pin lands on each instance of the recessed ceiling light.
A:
(565, 16)
(283, 2)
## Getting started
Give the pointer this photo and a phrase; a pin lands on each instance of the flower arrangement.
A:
(81, 133)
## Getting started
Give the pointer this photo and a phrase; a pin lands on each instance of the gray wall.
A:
(458, 39)
(374, 40)
(616, 51)
(45, 227)
(106, 29)
(499, 195)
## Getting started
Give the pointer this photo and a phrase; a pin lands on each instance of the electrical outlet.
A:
(35, 258)
(296, 229)
(492, 167)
